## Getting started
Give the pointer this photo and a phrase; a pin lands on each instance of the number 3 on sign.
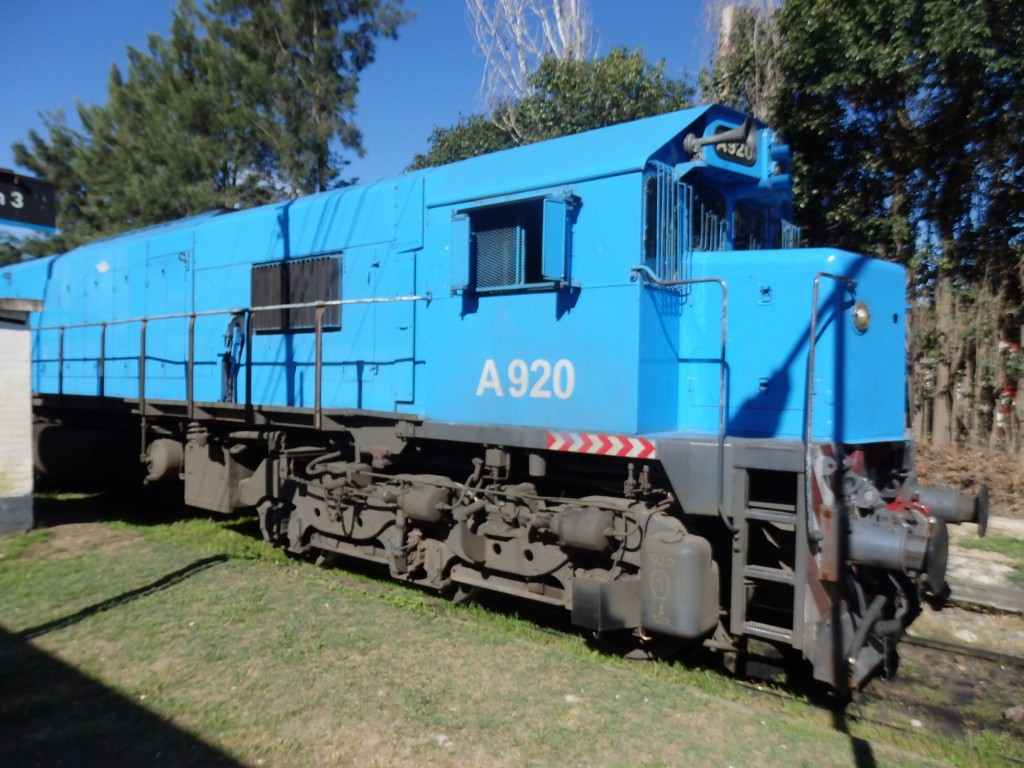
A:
(538, 379)
(16, 200)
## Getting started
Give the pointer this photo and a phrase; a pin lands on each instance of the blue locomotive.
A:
(596, 372)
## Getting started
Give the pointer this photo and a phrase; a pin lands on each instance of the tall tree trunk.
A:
(942, 408)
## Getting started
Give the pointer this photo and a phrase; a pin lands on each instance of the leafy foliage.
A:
(569, 96)
(902, 119)
(471, 136)
(55, 158)
(746, 73)
(10, 252)
(572, 96)
(514, 36)
(906, 125)
(245, 101)
(296, 64)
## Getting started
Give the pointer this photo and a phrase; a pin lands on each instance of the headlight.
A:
(861, 316)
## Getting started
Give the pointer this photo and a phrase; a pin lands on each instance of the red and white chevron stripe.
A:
(602, 445)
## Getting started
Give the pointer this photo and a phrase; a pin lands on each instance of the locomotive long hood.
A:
(601, 153)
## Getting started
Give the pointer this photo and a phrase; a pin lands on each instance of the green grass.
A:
(1003, 545)
(220, 537)
(192, 640)
(15, 547)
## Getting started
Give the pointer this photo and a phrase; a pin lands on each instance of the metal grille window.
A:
(789, 235)
(707, 220)
(754, 228)
(665, 242)
(679, 218)
(299, 281)
(506, 245)
(522, 245)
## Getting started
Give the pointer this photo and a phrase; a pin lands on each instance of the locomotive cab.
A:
(795, 406)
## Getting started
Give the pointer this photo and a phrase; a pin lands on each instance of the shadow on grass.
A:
(159, 585)
(147, 506)
(157, 506)
(152, 505)
(53, 714)
(862, 752)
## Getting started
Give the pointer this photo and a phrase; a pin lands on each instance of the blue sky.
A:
(57, 51)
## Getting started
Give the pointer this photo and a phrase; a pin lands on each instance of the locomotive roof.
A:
(616, 149)
(601, 152)
(189, 222)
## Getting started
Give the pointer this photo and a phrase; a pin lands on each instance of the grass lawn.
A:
(187, 643)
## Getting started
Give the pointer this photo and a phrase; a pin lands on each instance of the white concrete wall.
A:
(15, 429)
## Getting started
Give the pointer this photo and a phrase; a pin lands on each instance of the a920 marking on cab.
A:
(539, 379)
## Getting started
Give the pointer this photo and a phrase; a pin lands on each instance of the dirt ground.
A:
(956, 695)
(70, 539)
(970, 468)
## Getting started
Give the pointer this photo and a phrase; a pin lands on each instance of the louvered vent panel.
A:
(498, 257)
(296, 282)
(269, 289)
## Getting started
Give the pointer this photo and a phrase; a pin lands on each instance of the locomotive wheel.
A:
(462, 594)
(659, 648)
(327, 560)
(273, 523)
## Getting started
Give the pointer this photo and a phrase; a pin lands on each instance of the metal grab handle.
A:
(102, 367)
(649, 275)
(144, 422)
(318, 410)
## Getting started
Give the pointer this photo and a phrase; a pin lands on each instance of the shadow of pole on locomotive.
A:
(53, 714)
(840, 299)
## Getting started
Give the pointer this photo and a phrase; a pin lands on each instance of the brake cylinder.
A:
(579, 527)
(164, 460)
(425, 502)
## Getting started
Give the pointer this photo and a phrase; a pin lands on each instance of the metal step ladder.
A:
(769, 554)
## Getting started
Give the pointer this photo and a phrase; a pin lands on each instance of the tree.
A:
(568, 96)
(906, 119)
(541, 80)
(515, 36)
(165, 144)
(571, 95)
(171, 139)
(296, 66)
(54, 159)
(10, 249)
(213, 116)
(846, 108)
(469, 137)
(746, 71)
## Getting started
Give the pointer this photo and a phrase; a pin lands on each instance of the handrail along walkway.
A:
(319, 306)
